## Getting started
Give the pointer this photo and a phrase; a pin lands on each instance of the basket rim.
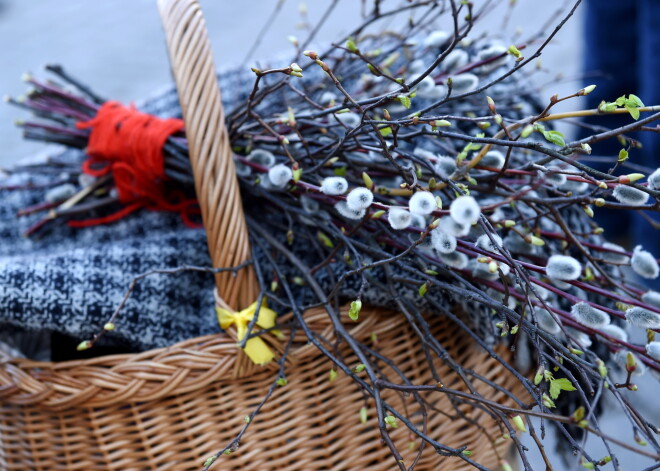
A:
(182, 367)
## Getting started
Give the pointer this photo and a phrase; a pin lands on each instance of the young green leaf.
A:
(363, 415)
(405, 101)
(391, 421)
(385, 131)
(555, 137)
(515, 52)
(340, 171)
(633, 100)
(634, 112)
(324, 239)
(558, 385)
(350, 45)
(606, 107)
(354, 311)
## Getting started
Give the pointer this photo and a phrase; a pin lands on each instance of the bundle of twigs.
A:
(58, 107)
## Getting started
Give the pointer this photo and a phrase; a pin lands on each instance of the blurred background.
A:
(118, 48)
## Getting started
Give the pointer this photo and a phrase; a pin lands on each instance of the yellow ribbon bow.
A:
(255, 348)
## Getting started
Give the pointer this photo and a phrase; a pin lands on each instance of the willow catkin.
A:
(589, 315)
(644, 263)
(399, 218)
(422, 202)
(563, 267)
(625, 194)
(359, 198)
(465, 210)
(279, 175)
(334, 186)
(443, 242)
(643, 318)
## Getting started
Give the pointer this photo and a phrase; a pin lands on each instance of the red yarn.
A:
(129, 144)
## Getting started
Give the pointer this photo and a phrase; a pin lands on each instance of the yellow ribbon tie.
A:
(255, 348)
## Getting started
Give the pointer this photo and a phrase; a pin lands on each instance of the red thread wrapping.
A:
(129, 144)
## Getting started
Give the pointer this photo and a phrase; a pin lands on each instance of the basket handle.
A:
(213, 167)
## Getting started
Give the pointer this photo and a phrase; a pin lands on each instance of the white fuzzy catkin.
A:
(651, 297)
(443, 242)
(654, 180)
(444, 166)
(615, 331)
(422, 202)
(464, 83)
(426, 154)
(485, 243)
(334, 186)
(343, 209)
(546, 321)
(279, 175)
(489, 53)
(436, 38)
(574, 187)
(60, 193)
(580, 337)
(399, 218)
(417, 66)
(643, 318)
(455, 60)
(620, 258)
(359, 198)
(448, 225)
(504, 268)
(628, 195)
(644, 264)
(589, 315)
(465, 210)
(539, 292)
(456, 260)
(563, 267)
(262, 157)
(653, 350)
(428, 89)
(555, 179)
(327, 98)
(494, 159)
(418, 221)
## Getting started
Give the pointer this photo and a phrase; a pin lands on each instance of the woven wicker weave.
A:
(171, 408)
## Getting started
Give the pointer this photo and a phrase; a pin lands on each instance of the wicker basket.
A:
(171, 408)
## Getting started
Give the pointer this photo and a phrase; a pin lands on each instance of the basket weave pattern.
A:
(170, 408)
